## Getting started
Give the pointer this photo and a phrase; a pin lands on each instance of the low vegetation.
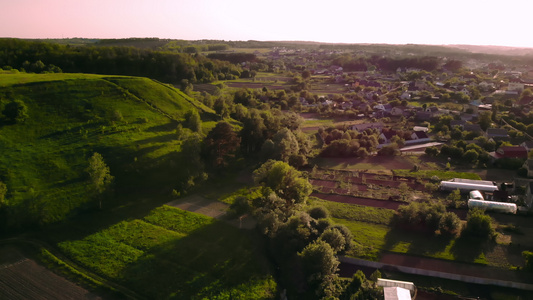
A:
(173, 253)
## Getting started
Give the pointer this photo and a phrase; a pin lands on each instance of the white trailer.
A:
(492, 205)
(467, 185)
(476, 195)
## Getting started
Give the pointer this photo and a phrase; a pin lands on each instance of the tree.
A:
(253, 131)
(318, 212)
(284, 180)
(100, 176)
(221, 144)
(191, 165)
(334, 238)
(432, 151)
(471, 156)
(485, 120)
(16, 111)
(193, 120)
(449, 223)
(455, 198)
(478, 224)
(3, 192)
(285, 144)
(318, 260)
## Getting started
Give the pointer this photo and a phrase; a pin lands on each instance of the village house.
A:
(420, 136)
(362, 127)
(497, 134)
(385, 137)
(473, 128)
(397, 111)
(515, 86)
(509, 152)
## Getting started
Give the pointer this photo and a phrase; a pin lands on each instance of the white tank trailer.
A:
(493, 206)
(467, 185)
(476, 195)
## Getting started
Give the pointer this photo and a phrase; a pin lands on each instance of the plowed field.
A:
(22, 278)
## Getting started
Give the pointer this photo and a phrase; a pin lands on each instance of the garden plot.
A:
(365, 185)
(22, 278)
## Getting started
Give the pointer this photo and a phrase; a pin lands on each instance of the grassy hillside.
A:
(129, 120)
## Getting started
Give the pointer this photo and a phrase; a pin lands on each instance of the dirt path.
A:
(211, 208)
(201, 205)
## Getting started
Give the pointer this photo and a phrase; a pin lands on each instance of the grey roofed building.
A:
(497, 133)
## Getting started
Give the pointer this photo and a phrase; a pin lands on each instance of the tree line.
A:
(115, 60)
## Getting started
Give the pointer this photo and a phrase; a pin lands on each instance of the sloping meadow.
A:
(131, 121)
(172, 253)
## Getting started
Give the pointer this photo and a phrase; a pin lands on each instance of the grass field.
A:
(131, 121)
(176, 254)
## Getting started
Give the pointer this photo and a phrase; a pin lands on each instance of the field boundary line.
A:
(126, 292)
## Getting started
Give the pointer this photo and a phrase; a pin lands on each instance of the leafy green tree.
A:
(318, 260)
(3, 192)
(284, 180)
(100, 177)
(193, 120)
(478, 224)
(16, 111)
(471, 156)
(253, 131)
(432, 151)
(285, 145)
(455, 198)
(355, 284)
(190, 161)
(221, 144)
(485, 119)
(318, 212)
(334, 238)
(449, 223)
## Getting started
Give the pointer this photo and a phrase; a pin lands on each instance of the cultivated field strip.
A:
(28, 280)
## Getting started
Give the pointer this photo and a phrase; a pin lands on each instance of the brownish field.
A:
(22, 278)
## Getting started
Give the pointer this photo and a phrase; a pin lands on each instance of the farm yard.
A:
(366, 200)
(23, 278)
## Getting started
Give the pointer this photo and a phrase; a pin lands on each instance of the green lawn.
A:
(374, 232)
(176, 254)
(352, 212)
(373, 239)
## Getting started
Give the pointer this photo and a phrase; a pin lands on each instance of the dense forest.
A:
(165, 66)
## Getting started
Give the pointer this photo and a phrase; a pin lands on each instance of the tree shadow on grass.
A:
(214, 260)
(470, 249)
(417, 242)
(168, 127)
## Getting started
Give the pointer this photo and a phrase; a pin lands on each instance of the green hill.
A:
(131, 121)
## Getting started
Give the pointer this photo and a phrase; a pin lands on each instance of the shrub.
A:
(318, 212)
(16, 111)
(450, 223)
(528, 256)
(478, 224)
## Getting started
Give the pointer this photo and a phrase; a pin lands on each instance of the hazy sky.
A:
(478, 22)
